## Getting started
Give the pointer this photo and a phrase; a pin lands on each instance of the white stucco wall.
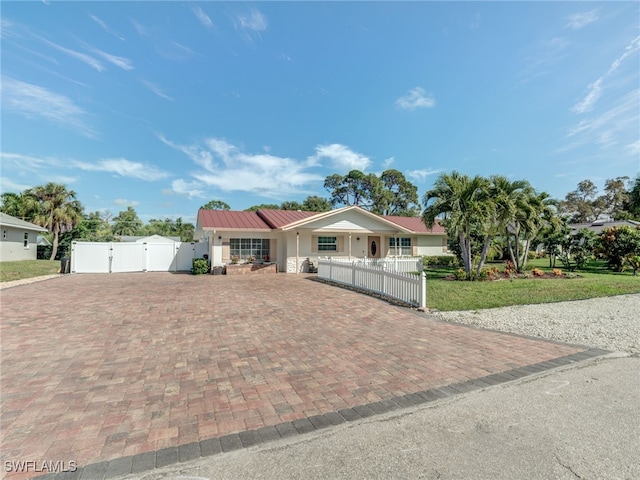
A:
(12, 246)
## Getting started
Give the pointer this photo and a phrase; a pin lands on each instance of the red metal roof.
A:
(230, 219)
(281, 218)
(274, 219)
(415, 224)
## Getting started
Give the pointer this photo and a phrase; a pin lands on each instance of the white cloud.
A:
(106, 27)
(421, 175)
(34, 101)
(121, 202)
(594, 94)
(120, 62)
(196, 153)
(83, 57)
(634, 148)
(188, 189)
(341, 157)
(254, 21)
(386, 163)
(124, 168)
(580, 20)
(611, 126)
(227, 167)
(8, 185)
(595, 89)
(415, 98)
(203, 17)
(156, 89)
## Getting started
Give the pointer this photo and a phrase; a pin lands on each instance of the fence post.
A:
(384, 278)
(423, 289)
(330, 270)
(353, 272)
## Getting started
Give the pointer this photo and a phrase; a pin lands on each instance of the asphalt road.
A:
(581, 421)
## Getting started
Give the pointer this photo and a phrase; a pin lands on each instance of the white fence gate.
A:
(406, 287)
(114, 257)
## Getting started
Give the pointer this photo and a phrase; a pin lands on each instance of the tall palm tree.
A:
(514, 212)
(466, 206)
(58, 210)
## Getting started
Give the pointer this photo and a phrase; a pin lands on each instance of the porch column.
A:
(297, 253)
(349, 245)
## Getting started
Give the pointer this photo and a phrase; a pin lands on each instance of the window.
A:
(26, 240)
(404, 246)
(327, 244)
(243, 248)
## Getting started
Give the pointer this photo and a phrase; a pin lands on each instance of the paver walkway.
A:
(99, 367)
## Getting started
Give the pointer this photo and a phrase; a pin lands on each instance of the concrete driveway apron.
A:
(125, 372)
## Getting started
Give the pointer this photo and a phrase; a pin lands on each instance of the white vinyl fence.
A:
(114, 257)
(406, 287)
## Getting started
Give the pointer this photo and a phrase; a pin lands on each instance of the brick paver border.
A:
(213, 446)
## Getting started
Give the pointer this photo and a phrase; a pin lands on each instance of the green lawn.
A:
(27, 269)
(594, 281)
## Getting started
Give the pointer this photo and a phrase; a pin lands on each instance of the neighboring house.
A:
(289, 237)
(599, 225)
(19, 239)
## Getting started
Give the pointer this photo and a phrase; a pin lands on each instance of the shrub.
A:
(461, 274)
(537, 272)
(493, 273)
(557, 272)
(440, 260)
(618, 243)
(200, 266)
(509, 268)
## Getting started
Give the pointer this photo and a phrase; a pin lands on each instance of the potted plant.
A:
(265, 259)
(235, 259)
(250, 259)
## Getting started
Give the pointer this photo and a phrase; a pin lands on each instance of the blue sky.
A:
(164, 106)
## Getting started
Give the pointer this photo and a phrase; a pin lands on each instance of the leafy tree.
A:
(18, 205)
(93, 227)
(291, 205)
(397, 196)
(577, 249)
(216, 205)
(466, 206)
(127, 222)
(389, 194)
(314, 203)
(263, 206)
(616, 196)
(632, 204)
(583, 204)
(551, 235)
(169, 228)
(354, 188)
(617, 244)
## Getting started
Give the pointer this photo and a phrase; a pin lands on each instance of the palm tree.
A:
(17, 205)
(514, 212)
(466, 207)
(127, 222)
(58, 210)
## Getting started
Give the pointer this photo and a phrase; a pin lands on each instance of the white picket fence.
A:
(380, 279)
(395, 264)
(114, 257)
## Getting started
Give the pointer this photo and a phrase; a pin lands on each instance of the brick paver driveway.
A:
(99, 367)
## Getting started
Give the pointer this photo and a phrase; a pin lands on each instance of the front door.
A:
(374, 247)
